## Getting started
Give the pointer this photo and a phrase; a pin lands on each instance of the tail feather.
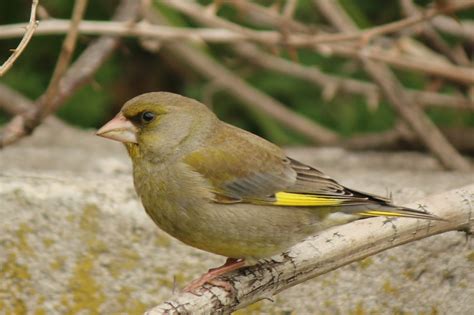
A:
(399, 212)
(377, 206)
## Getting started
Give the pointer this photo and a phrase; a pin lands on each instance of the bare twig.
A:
(454, 73)
(223, 35)
(289, 8)
(312, 74)
(430, 33)
(64, 59)
(348, 85)
(16, 103)
(23, 124)
(424, 128)
(211, 35)
(192, 9)
(316, 256)
(451, 26)
(269, 17)
(249, 95)
(262, 15)
(417, 18)
(29, 30)
(13, 102)
(273, 19)
(459, 74)
(395, 139)
(228, 33)
(78, 74)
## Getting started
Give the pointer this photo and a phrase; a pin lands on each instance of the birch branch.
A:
(316, 255)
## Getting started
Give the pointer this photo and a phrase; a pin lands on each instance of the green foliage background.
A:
(132, 70)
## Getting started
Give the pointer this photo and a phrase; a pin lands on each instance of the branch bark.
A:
(316, 256)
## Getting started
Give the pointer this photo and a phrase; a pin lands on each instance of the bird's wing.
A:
(242, 167)
(279, 181)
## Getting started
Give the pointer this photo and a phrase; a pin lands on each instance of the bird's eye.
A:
(148, 116)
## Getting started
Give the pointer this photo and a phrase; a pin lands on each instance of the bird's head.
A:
(157, 122)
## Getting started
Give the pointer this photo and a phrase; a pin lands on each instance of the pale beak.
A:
(119, 129)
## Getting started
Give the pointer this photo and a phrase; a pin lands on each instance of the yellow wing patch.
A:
(302, 200)
(374, 213)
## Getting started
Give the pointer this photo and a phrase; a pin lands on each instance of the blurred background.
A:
(132, 70)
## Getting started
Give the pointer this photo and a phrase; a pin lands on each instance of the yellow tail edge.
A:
(401, 213)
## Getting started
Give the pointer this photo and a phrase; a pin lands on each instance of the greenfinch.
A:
(227, 191)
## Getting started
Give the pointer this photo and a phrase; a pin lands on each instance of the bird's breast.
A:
(174, 196)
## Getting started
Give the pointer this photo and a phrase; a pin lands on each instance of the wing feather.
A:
(255, 171)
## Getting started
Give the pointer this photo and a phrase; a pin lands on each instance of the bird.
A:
(227, 191)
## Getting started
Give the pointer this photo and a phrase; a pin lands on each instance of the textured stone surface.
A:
(75, 239)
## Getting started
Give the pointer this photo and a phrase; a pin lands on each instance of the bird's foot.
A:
(195, 286)
(231, 264)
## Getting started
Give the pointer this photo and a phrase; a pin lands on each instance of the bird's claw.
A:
(197, 285)
(211, 277)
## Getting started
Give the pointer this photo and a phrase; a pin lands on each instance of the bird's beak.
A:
(119, 129)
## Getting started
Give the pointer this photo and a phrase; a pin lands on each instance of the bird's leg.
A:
(231, 264)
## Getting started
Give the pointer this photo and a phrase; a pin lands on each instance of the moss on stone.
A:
(87, 294)
(365, 263)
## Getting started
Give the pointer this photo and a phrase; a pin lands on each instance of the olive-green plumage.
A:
(224, 190)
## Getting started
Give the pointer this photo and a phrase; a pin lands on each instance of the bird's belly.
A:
(239, 231)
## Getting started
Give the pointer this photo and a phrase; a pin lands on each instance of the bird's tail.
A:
(399, 212)
(377, 206)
